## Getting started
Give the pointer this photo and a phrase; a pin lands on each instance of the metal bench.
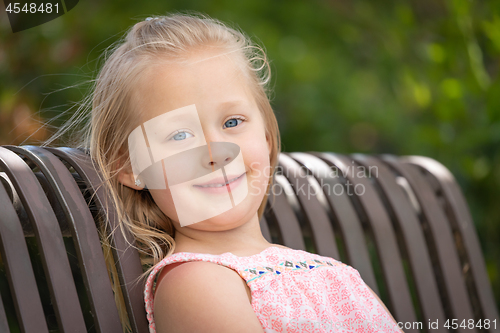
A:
(402, 222)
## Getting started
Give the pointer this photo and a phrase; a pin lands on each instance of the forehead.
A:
(208, 80)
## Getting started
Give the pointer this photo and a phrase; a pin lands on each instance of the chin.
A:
(230, 219)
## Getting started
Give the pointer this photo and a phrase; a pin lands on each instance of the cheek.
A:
(257, 154)
(261, 162)
(257, 159)
(163, 198)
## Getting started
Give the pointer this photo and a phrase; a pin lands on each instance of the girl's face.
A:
(212, 91)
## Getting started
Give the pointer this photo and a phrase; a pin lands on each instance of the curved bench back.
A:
(402, 222)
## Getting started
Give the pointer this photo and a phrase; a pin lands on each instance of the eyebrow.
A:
(175, 118)
(229, 104)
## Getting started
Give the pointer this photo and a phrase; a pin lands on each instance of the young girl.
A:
(188, 86)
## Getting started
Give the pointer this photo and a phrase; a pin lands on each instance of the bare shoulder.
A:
(282, 246)
(200, 296)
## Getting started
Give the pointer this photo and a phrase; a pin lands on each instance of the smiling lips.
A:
(219, 182)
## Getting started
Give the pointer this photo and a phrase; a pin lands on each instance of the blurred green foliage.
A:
(399, 77)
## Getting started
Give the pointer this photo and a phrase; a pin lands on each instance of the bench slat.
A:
(20, 274)
(285, 217)
(50, 243)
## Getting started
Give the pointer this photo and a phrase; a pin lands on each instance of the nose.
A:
(219, 154)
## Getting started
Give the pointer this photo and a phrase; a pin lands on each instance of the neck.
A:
(245, 239)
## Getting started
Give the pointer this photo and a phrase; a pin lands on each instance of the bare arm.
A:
(203, 297)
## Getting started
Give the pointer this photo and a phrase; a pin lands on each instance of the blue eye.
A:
(233, 122)
(181, 136)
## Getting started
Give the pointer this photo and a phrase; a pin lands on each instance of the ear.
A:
(126, 176)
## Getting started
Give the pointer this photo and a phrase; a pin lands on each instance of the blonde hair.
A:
(160, 38)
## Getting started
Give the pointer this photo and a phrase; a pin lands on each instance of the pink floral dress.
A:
(296, 291)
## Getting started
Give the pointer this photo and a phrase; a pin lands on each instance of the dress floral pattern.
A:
(295, 291)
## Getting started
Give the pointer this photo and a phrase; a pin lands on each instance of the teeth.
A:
(219, 185)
